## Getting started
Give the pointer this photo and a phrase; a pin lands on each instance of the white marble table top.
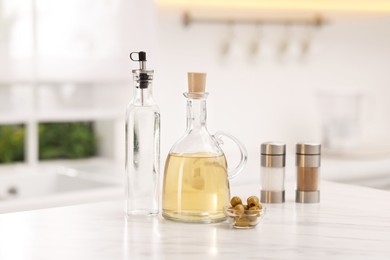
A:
(351, 222)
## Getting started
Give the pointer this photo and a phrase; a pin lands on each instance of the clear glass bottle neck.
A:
(143, 96)
(196, 110)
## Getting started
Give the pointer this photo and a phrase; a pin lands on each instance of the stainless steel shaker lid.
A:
(308, 148)
(273, 148)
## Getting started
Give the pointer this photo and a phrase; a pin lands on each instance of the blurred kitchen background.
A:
(279, 70)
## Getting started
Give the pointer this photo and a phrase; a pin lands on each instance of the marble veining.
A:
(351, 222)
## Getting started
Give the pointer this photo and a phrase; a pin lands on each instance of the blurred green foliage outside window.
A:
(66, 140)
(12, 143)
(56, 141)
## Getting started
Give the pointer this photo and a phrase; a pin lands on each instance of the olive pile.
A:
(245, 215)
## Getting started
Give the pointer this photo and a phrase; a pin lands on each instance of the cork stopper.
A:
(196, 82)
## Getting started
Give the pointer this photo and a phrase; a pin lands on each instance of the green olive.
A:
(253, 201)
(254, 208)
(239, 210)
(235, 201)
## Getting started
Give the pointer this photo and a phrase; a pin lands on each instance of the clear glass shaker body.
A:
(142, 149)
(196, 185)
(272, 178)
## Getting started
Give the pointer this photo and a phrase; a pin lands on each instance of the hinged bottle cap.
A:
(141, 59)
(196, 82)
(141, 76)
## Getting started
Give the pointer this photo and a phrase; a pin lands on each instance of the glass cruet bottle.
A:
(196, 179)
(142, 144)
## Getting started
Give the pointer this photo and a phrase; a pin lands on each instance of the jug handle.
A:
(244, 155)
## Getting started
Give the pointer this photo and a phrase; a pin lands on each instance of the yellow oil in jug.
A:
(196, 188)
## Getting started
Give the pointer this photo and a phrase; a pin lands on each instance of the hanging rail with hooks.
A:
(316, 20)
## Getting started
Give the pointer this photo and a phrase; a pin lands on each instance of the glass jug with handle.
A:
(196, 177)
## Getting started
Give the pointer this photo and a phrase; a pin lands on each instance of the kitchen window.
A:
(67, 67)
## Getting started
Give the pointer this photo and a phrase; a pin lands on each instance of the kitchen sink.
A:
(34, 188)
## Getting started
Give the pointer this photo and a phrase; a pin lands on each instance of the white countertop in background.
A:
(351, 222)
(372, 172)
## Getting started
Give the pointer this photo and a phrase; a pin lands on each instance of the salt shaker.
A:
(273, 162)
(308, 162)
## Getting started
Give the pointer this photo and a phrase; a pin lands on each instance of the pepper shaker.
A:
(308, 162)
